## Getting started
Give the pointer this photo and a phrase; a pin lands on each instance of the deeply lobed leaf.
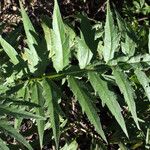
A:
(127, 91)
(87, 105)
(108, 98)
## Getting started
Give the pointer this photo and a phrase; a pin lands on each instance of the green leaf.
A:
(13, 35)
(108, 97)
(71, 146)
(20, 102)
(121, 23)
(84, 54)
(128, 47)
(112, 38)
(140, 58)
(61, 41)
(10, 51)
(49, 35)
(71, 34)
(31, 41)
(52, 100)
(127, 91)
(14, 89)
(87, 105)
(89, 36)
(17, 123)
(38, 99)
(121, 59)
(18, 113)
(122, 146)
(144, 80)
(149, 41)
(13, 133)
(3, 145)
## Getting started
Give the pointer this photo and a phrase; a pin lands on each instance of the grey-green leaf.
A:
(144, 80)
(10, 51)
(86, 105)
(61, 41)
(112, 37)
(84, 54)
(13, 133)
(51, 99)
(127, 91)
(107, 97)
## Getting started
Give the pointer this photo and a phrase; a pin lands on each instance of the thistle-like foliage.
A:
(60, 61)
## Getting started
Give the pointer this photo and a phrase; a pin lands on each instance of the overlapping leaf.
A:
(108, 98)
(127, 91)
(86, 104)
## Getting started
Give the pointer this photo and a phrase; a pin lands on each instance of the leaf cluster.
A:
(97, 67)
